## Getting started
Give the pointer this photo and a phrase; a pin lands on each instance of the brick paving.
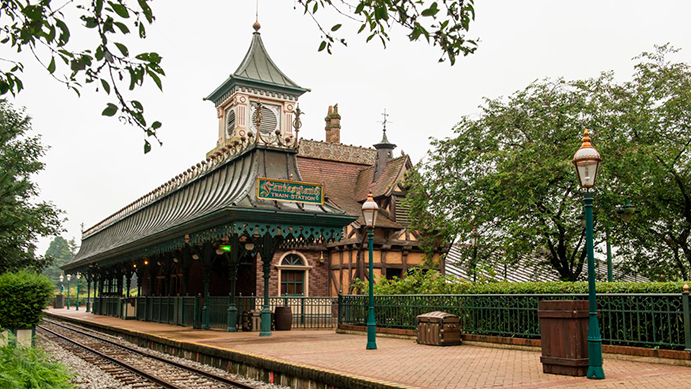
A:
(404, 362)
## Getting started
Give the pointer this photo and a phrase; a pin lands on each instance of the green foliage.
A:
(43, 29)
(444, 27)
(31, 368)
(24, 295)
(22, 217)
(60, 252)
(508, 172)
(421, 281)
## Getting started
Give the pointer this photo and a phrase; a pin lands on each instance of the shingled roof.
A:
(387, 181)
(346, 172)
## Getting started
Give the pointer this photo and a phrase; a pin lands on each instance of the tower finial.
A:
(256, 24)
(386, 115)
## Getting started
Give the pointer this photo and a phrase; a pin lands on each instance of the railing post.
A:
(687, 317)
(340, 308)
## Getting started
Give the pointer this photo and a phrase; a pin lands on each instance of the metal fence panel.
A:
(634, 319)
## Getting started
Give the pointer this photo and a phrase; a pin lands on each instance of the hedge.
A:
(567, 287)
(23, 296)
(431, 282)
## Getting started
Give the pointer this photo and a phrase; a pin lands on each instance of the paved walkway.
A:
(405, 362)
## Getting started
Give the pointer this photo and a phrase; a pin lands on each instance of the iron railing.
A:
(627, 319)
(307, 312)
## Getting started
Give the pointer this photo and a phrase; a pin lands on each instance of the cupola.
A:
(257, 85)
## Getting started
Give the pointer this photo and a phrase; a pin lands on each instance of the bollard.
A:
(687, 317)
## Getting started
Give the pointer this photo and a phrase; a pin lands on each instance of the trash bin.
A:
(439, 329)
(284, 318)
(564, 334)
(59, 301)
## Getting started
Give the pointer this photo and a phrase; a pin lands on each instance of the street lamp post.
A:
(474, 240)
(370, 209)
(62, 286)
(79, 276)
(586, 160)
(69, 277)
(625, 212)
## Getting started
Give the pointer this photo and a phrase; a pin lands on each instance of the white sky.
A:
(96, 166)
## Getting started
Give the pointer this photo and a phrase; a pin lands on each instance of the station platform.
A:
(403, 363)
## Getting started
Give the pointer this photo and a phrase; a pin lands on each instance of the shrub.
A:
(23, 296)
(22, 367)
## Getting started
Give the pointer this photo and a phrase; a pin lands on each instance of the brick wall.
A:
(318, 274)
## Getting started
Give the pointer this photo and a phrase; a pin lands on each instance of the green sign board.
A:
(294, 191)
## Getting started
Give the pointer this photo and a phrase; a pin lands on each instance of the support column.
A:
(206, 319)
(233, 259)
(268, 249)
(88, 292)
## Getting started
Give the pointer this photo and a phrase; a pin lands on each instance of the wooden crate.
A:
(439, 329)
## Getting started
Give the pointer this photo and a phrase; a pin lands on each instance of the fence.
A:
(635, 319)
(308, 312)
(177, 310)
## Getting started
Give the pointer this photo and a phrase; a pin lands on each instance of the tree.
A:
(652, 117)
(509, 171)
(60, 252)
(43, 29)
(22, 217)
(444, 27)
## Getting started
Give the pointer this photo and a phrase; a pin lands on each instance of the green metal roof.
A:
(207, 203)
(257, 69)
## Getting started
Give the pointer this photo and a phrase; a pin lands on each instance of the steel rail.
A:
(206, 374)
(135, 370)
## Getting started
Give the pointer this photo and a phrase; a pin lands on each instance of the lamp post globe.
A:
(587, 160)
(626, 211)
(62, 287)
(370, 209)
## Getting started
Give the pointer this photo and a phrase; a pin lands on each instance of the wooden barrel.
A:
(284, 318)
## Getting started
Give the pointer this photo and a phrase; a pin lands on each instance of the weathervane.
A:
(386, 115)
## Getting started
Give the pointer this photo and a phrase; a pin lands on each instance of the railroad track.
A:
(131, 366)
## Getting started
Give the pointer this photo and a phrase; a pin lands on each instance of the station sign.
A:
(293, 191)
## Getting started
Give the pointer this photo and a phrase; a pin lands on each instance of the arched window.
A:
(293, 275)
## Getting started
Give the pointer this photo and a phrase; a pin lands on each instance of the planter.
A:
(564, 334)
(284, 319)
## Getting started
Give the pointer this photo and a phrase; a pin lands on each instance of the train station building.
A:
(266, 213)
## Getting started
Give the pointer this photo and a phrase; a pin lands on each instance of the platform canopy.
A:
(216, 199)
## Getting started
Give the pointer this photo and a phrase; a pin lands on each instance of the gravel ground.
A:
(86, 376)
(97, 379)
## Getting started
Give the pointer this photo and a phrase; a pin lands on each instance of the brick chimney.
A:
(333, 125)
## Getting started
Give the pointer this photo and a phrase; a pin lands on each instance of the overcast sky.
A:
(96, 166)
